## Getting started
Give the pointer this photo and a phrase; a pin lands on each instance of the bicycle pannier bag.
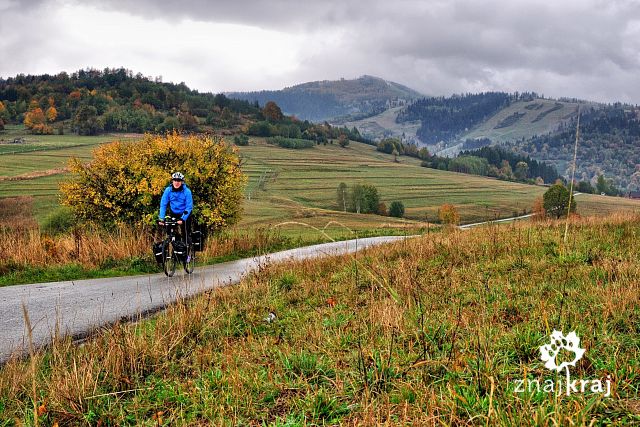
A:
(197, 240)
(157, 252)
(180, 249)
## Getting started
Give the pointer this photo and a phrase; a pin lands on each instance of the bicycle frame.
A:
(170, 257)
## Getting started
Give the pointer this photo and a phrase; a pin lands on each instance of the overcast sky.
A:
(588, 49)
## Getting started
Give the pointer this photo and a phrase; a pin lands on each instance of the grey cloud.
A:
(582, 48)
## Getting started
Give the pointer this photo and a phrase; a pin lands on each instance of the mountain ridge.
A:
(335, 100)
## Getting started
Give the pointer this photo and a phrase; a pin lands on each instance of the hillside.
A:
(300, 185)
(517, 121)
(525, 119)
(385, 125)
(337, 100)
(609, 145)
(543, 129)
(443, 329)
(92, 102)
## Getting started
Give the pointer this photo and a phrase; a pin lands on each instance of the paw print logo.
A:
(549, 352)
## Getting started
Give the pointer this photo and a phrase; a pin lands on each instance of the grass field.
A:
(539, 117)
(300, 185)
(308, 180)
(384, 124)
(436, 330)
(40, 153)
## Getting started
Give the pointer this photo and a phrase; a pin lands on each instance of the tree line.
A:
(487, 161)
(273, 123)
(111, 100)
(364, 198)
(445, 118)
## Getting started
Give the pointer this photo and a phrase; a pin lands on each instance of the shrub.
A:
(169, 124)
(242, 140)
(556, 201)
(382, 209)
(396, 209)
(291, 143)
(448, 214)
(539, 213)
(261, 129)
(125, 180)
(59, 221)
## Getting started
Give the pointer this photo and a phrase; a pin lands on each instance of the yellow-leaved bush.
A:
(125, 181)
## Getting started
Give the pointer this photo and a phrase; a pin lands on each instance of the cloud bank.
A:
(588, 49)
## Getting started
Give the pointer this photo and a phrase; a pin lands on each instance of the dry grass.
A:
(93, 246)
(429, 331)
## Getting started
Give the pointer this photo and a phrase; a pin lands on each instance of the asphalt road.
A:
(78, 307)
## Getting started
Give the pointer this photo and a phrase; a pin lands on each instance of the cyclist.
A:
(177, 202)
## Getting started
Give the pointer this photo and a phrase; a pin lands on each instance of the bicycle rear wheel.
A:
(190, 260)
(168, 258)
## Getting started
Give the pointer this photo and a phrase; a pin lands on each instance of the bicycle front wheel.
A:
(190, 260)
(168, 258)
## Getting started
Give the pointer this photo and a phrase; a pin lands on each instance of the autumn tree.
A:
(125, 181)
(3, 112)
(538, 210)
(272, 112)
(35, 120)
(382, 209)
(188, 121)
(51, 114)
(3, 115)
(343, 140)
(448, 214)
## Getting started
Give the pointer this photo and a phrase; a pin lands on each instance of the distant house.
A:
(634, 194)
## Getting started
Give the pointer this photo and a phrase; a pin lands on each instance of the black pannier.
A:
(197, 240)
(180, 249)
(157, 252)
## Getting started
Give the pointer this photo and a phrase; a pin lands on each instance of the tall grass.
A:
(428, 331)
(31, 254)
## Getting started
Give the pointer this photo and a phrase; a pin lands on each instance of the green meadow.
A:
(287, 185)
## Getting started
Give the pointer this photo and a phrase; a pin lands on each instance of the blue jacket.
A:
(179, 200)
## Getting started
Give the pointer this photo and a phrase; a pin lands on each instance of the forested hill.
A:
(90, 102)
(114, 100)
(337, 100)
(609, 144)
(447, 118)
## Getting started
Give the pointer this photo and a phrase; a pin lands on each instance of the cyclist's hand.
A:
(179, 222)
(160, 222)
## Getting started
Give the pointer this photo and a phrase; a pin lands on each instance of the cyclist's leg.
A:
(188, 228)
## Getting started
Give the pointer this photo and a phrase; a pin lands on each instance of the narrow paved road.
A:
(77, 307)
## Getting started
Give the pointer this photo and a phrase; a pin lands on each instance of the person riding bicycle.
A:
(177, 202)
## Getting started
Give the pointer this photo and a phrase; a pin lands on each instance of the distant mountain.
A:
(524, 123)
(335, 100)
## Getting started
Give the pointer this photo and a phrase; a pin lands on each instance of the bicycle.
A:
(175, 251)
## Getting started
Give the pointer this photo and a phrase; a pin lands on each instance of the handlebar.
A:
(170, 221)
